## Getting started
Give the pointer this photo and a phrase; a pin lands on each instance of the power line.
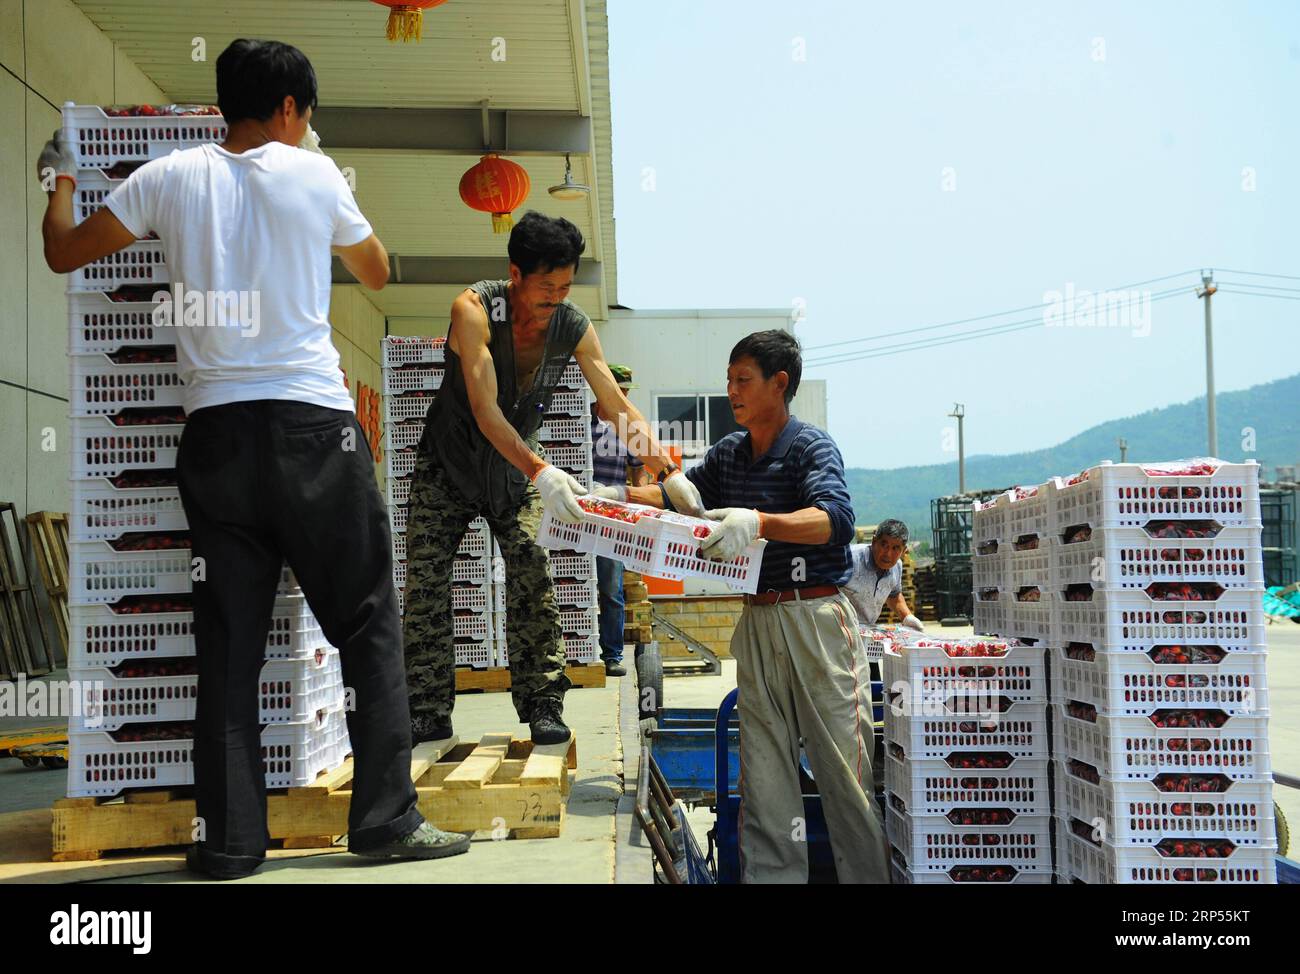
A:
(920, 344)
(1259, 294)
(1285, 277)
(996, 314)
(1266, 287)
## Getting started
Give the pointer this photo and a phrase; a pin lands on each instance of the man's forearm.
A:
(650, 496)
(58, 223)
(507, 440)
(811, 525)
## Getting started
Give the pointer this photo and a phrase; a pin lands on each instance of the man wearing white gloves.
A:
(508, 345)
(800, 662)
(878, 576)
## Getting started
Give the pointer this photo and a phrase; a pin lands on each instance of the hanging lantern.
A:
(495, 186)
(406, 17)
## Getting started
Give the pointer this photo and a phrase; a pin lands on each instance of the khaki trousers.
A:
(802, 671)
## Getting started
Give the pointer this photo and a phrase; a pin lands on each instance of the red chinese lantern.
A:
(495, 186)
(406, 17)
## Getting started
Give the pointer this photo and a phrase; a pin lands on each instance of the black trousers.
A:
(265, 482)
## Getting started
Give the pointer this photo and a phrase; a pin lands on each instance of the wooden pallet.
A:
(48, 532)
(496, 679)
(638, 634)
(508, 787)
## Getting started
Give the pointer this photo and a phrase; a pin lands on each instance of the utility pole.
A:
(1205, 291)
(959, 413)
(1123, 449)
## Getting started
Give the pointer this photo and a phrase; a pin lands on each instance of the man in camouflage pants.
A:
(436, 523)
(508, 345)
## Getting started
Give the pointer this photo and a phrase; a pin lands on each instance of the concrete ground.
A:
(601, 842)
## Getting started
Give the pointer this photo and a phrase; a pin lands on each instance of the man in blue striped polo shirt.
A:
(800, 662)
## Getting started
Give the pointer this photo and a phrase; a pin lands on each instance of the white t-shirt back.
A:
(247, 240)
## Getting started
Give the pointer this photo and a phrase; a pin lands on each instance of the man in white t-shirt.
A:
(273, 465)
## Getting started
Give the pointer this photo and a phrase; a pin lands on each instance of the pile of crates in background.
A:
(1155, 639)
(967, 792)
(131, 655)
(413, 369)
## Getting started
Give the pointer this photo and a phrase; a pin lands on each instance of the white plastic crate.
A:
(400, 463)
(1135, 749)
(1136, 813)
(932, 788)
(101, 511)
(990, 571)
(572, 377)
(1105, 863)
(579, 622)
(580, 594)
(565, 429)
(1030, 567)
(1120, 558)
(479, 654)
(990, 609)
(1115, 495)
(581, 649)
(295, 754)
(102, 449)
(399, 351)
(97, 324)
(959, 739)
(1114, 619)
(571, 564)
(1028, 512)
(1032, 620)
(1133, 685)
(139, 263)
(471, 570)
(567, 456)
(664, 546)
(101, 141)
(410, 406)
(932, 670)
(933, 844)
(96, 573)
(397, 519)
(965, 875)
(399, 491)
(477, 626)
(422, 377)
(877, 640)
(100, 388)
(103, 701)
(100, 766)
(477, 598)
(989, 521)
(571, 402)
(293, 691)
(401, 436)
(100, 636)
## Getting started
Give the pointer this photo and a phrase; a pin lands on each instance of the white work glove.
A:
(56, 159)
(912, 622)
(684, 495)
(560, 493)
(310, 141)
(612, 493)
(727, 540)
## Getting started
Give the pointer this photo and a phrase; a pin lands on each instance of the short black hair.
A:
(774, 351)
(254, 76)
(544, 243)
(891, 528)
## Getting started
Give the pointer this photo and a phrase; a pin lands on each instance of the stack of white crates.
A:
(1157, 658)
(967, 793)
(131, 652)
(413, 370)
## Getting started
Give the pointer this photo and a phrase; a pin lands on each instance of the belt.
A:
(785, 595)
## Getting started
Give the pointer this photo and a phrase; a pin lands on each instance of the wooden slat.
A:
(477, 769)
(48, 533)
(547, 765)
(32, 660)
(497, 679)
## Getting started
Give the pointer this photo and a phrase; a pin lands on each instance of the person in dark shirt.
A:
(801, 664)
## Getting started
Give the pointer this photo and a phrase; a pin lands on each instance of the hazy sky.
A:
(895, 165)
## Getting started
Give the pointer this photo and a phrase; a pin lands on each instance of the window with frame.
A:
(693, 422)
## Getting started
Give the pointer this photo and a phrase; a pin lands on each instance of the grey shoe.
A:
(425, 842)
(614, 667)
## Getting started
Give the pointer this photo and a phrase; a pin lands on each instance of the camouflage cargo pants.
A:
(435, 524)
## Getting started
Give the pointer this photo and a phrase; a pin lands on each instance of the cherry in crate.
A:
(632, 513)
